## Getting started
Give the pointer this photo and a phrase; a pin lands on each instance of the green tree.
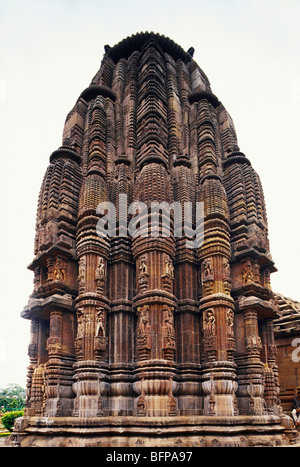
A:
(12, 398)
(8, 419)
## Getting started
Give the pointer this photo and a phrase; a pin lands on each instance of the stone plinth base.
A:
(201, 431)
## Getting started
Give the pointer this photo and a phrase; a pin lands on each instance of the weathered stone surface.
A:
(182, 431)
(287, 338)
(146, 340)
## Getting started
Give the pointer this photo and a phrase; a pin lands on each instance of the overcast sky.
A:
(49, 52)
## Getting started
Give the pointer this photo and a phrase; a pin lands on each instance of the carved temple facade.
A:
(287, 338)
(141, 340)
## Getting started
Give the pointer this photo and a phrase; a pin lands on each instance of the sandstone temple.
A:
(146, 340)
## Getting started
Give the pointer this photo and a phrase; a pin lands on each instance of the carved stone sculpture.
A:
(151, 328)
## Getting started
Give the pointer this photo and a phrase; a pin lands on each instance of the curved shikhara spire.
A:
(141, 325)
(150, 101)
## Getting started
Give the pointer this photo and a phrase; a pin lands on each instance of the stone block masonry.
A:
(141, 340)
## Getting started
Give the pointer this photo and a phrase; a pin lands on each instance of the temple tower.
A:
(137, 321)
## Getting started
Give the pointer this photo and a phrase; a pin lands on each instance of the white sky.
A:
(49, 52)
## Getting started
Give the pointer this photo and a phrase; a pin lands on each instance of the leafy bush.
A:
(8, 419)
(12, 398)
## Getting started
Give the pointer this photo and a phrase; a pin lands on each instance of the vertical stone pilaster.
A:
(91, 343)
(59, 367)
(154, 302)
(155, 331)
(33, 361)
(92, 304)
(216, 304)
(269, 352)
(251, 373)
(54, 370)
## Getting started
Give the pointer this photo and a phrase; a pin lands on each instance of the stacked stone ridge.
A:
(144, 332)
(287, 339)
